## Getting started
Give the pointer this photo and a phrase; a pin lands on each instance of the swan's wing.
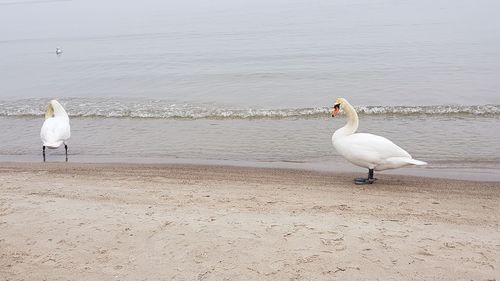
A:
(55, 131)
(376, 146)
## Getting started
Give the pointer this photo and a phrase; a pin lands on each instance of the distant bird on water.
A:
(55, 130)
(58, 51)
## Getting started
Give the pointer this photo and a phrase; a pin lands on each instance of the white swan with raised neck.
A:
(369, 151)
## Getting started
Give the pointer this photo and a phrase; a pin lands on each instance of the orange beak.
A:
(336, 110)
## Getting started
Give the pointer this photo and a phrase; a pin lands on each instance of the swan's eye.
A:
(337, 106)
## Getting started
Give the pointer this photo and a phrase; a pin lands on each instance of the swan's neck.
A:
(352, 122)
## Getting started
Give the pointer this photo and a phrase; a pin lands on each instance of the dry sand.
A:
(126, 222)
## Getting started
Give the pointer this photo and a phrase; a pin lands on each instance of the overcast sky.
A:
(27, 19)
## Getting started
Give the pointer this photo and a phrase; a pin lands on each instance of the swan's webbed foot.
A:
(369, 180)
(360, 181)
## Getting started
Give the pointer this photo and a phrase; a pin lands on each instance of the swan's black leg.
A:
(368, 180)
(370, 174)
(66, 148)
(43, 153)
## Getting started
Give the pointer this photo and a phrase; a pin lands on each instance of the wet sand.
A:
(186, 222)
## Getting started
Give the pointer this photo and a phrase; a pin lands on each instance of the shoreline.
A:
(330, 167)
(186, 222)
(163, 169)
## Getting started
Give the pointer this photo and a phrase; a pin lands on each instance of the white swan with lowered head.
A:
(366, 150)
(55, 130)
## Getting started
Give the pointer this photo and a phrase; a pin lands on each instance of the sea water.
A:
(253, 82)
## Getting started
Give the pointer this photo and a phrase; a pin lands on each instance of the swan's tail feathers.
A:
(415, 162)
(398, 162)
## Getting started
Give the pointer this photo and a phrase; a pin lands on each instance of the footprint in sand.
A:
(334, 241)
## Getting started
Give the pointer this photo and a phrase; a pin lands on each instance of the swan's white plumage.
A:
(55, 130)
(368, 150)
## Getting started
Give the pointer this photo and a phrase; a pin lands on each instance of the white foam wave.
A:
(115, 108)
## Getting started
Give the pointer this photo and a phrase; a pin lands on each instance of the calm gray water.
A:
(252, 81)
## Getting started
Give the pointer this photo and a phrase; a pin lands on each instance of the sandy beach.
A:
(182, 222)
